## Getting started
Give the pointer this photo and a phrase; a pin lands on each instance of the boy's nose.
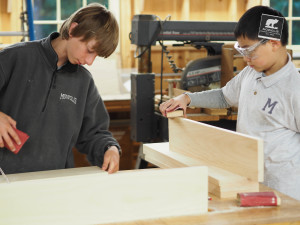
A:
(90, 59)
(246, 59)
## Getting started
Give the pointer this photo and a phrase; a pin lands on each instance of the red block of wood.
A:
(248, 199)
(23, 138)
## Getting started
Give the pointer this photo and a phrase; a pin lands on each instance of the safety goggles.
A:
(249, 52)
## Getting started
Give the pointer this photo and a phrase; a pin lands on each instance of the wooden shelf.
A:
(117, 105)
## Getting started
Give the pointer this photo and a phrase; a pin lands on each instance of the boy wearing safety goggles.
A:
(266, 93)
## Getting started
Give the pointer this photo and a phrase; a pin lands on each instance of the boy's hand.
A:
(180, 101)
(111, 160)
(7, 132)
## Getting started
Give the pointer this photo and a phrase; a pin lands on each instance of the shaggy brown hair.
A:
(94, 21)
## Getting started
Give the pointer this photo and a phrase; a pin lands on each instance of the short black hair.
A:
(249, 23)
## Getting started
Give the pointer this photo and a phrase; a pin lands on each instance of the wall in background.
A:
(10, 19)
(198, 10)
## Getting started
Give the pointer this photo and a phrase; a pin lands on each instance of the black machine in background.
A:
(146, 124)
(201, 72)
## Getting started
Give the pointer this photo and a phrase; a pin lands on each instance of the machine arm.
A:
(146, 30)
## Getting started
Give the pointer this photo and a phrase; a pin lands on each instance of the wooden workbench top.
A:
(227, 211)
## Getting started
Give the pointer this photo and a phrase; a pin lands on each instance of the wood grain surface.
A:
(232, 151)
(97, 197)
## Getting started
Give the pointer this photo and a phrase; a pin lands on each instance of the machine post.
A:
(144, 61)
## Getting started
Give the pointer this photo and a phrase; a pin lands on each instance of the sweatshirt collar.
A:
(51, 55)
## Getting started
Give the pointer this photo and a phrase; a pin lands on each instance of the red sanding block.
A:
(258, 199)
(23, 138)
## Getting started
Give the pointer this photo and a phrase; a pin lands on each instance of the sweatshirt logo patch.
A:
(68, 97)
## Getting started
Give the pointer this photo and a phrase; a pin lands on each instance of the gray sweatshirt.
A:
(57, 108)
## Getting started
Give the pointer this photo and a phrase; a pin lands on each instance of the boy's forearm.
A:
(208, 99)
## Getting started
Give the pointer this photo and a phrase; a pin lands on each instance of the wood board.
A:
(202, 117)
(228, 150)
(176, 113)
(99, 197)
(227, 212)
(213, 111)
(221, 183)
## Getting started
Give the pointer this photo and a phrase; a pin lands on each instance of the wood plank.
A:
(221, 183)
(185, 10)
(193, 110)
(202, 117)
(218, 112)
(176, 113)
(125, 29)
(232, 151)
(226, 65)
(233, 116)
(98, 198)
(117, 105)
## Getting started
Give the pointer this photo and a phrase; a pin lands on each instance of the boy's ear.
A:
(73, 25)
(275, 44)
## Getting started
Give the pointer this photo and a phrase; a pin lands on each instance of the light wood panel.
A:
(221, 211)
(221, 183)
(237, 153)
(99, 197)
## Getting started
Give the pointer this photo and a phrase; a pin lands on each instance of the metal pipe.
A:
(13, 33)
(30, 20)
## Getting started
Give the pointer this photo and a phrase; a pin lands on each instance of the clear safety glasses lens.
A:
(248, 52)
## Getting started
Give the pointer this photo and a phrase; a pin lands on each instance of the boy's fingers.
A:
(9, 142)
(12, 122)
(167, 107)
(114, 168)
(111, 167)
(184, 112)
(172, 108)
(1, 142)
(162, 108)
(111, 160)
(14, 135)
(105, 163)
